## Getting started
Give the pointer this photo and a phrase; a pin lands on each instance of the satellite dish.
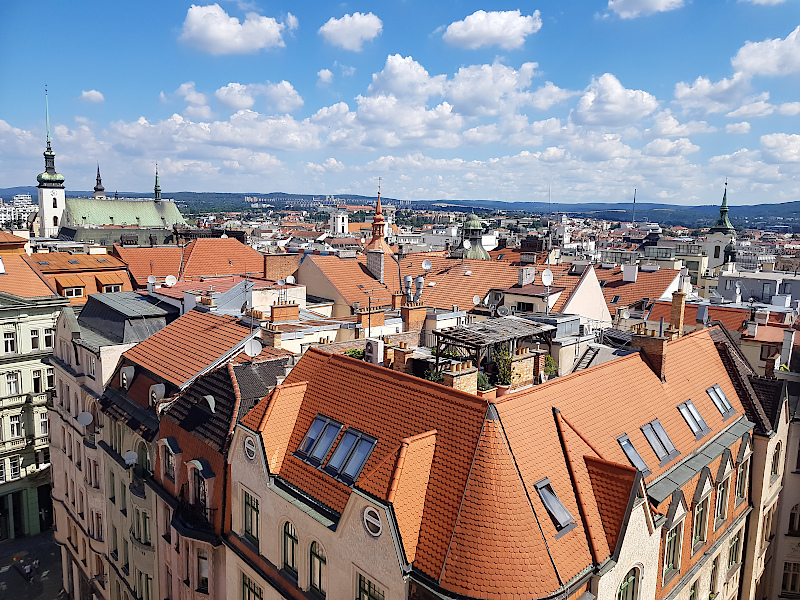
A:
(223, 236)
(290, 279)
(547, 277)
(170, 280)
(151, 279)
(427, 265)
(626, 315)
(130, 457)
(502, 311)
(252, 348)
(85, 418)
(281, 282)
(467, 244)
(476, 299)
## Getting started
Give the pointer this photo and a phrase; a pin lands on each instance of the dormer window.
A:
(694, 419)
(659, 440)
(633, 455)
(73, 292)
(561, 517)
(350, 456)
(318, 441)
(721, 401)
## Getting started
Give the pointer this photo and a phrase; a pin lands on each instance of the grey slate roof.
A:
(256, 380)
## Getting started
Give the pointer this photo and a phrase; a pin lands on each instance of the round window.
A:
(249, 447)
(372, 521)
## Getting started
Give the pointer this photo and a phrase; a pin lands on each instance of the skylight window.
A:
(319, 439)
(562, 518)
(101, 260)
(350, 455)
(615, 299)
(659, 440)
(74, 262)
(43, 262)
(694, 419)
(633, 455)
(721, 401)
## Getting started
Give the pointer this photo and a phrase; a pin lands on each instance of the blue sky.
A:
(442, 99)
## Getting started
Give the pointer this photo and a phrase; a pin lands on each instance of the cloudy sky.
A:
(452, 99)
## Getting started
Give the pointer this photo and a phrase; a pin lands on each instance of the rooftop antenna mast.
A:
(634, 207)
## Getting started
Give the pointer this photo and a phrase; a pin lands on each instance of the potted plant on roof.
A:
(502, 359)
(486, 389)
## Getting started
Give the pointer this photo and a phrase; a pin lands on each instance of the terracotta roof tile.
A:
(612, 485)
(651, 285)
(188, 345)
(142, 262)
(282, 405)
(732, 318)
(88, 271)
(21, 279)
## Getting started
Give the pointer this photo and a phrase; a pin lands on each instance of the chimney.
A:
(752, 328)
(678, 310)
(654, 349)
(284, 311)
(271, 336)
(402, 359)
(630, 273)
(397, 301)
(538, 364)
(414, 314)
(786, 349)
(769, 366)
(768, 266)
(375, 263)
(374, 318)
(525, 275)
(462, 376)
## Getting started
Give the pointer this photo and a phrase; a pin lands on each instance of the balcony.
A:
(137, 486)
(90, 439)
(40, 399)
(16, 443)
(194, 519)
(14, 400)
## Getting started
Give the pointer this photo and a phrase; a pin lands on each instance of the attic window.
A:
(562, 518)
(319, 439)
(633, 455)
(721, 401)
(74, 262)
(101, 260)
(615, 299)
(603, 283)
(350, 456)
(659, 440)
(43, 262)
(694, 419)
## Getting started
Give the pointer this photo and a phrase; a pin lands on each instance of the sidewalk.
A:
(45, 585)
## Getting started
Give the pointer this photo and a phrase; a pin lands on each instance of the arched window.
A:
(55, 219)
(794, 520)
(776, 461)
(290, 549)
(629, 588)
(317, 568)
(143, 459)
(55, 205)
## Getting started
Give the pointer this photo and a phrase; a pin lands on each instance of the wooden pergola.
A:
(477, 339)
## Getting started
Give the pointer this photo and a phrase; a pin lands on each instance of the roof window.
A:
(562, 518)
(694, 419)
(615, 299)
(721, 401)
(101, 260)
(43, 262)
(350, 455)
(319, 439)
(74, 262)
(633, 455)
(659, 440)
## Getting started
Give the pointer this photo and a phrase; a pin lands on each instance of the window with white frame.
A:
(734, 550)
(44, 424)
(91, 365)
(721, 511)
(9, 342)
(37, 381)
(791, 578)
(112, 288)
(73, 292)
(49, 336)
(202, 570)
(51, 379)
(34, 339)
(2, 470)
(12, 383)
(14, 468)
(15, 423)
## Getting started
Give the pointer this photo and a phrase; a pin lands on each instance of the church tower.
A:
(51, 189)
(99, 190)
(157, 188)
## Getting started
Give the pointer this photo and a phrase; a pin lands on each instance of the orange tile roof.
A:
(88, 271)
(143, 262)
(188, 345)
(21, 279)
(647, 285)
(564, 281)
(732, 318)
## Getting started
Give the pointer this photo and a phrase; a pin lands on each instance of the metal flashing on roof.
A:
(171, 443)
(203, 466)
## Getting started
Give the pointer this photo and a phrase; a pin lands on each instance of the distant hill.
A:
(787, 213)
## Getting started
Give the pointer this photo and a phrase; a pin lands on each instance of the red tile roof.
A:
(142, 262)
(732, 318)
(21, 279)
(188, 345)
(88, 271)
(647, 285)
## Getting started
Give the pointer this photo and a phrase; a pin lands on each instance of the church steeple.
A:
(723, 224)
(157, 189)
(99, 190)
(49, 179)
(378, 227)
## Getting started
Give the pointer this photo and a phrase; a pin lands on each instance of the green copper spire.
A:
(157, 189)
(47, 115)
(723, 224)
(49, 178)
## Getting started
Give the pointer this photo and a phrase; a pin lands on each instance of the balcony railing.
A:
(194, 514)
(137, 486)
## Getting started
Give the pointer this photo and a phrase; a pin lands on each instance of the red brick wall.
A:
(280, 266)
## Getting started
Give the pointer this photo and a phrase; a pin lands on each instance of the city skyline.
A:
(464, 101)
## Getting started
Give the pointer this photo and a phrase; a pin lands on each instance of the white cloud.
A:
(283, 96)
(236, 96)
(324, 77)
(351, 31)
(91, 96)
(753, 109)
(630, 9)
(507, 29)
(198, 113)
(210, 29)
(291, 22)
(666, 125)
(330, 165)
(406, 78)
(743, 127)
(549, 95)
(607, 102)
(782, 147)
(770, 57)
(712, 97)
(599, 147)
(789, 108)
(665, 147)
(490, 89)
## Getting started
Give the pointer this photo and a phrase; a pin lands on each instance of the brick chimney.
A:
(284, 311)
(654, 349)
(271, 336)
(770, 364)
(371, 318)
(678, 311)
(402, 358)
(414, 314)
(397, 301)
(538, 363)
(462, 376)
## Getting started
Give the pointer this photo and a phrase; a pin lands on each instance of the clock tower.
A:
(51, 189)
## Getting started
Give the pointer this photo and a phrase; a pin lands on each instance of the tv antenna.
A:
(634, 207)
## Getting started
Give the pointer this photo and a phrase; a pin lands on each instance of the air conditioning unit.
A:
(585, 329)
(373, 352)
